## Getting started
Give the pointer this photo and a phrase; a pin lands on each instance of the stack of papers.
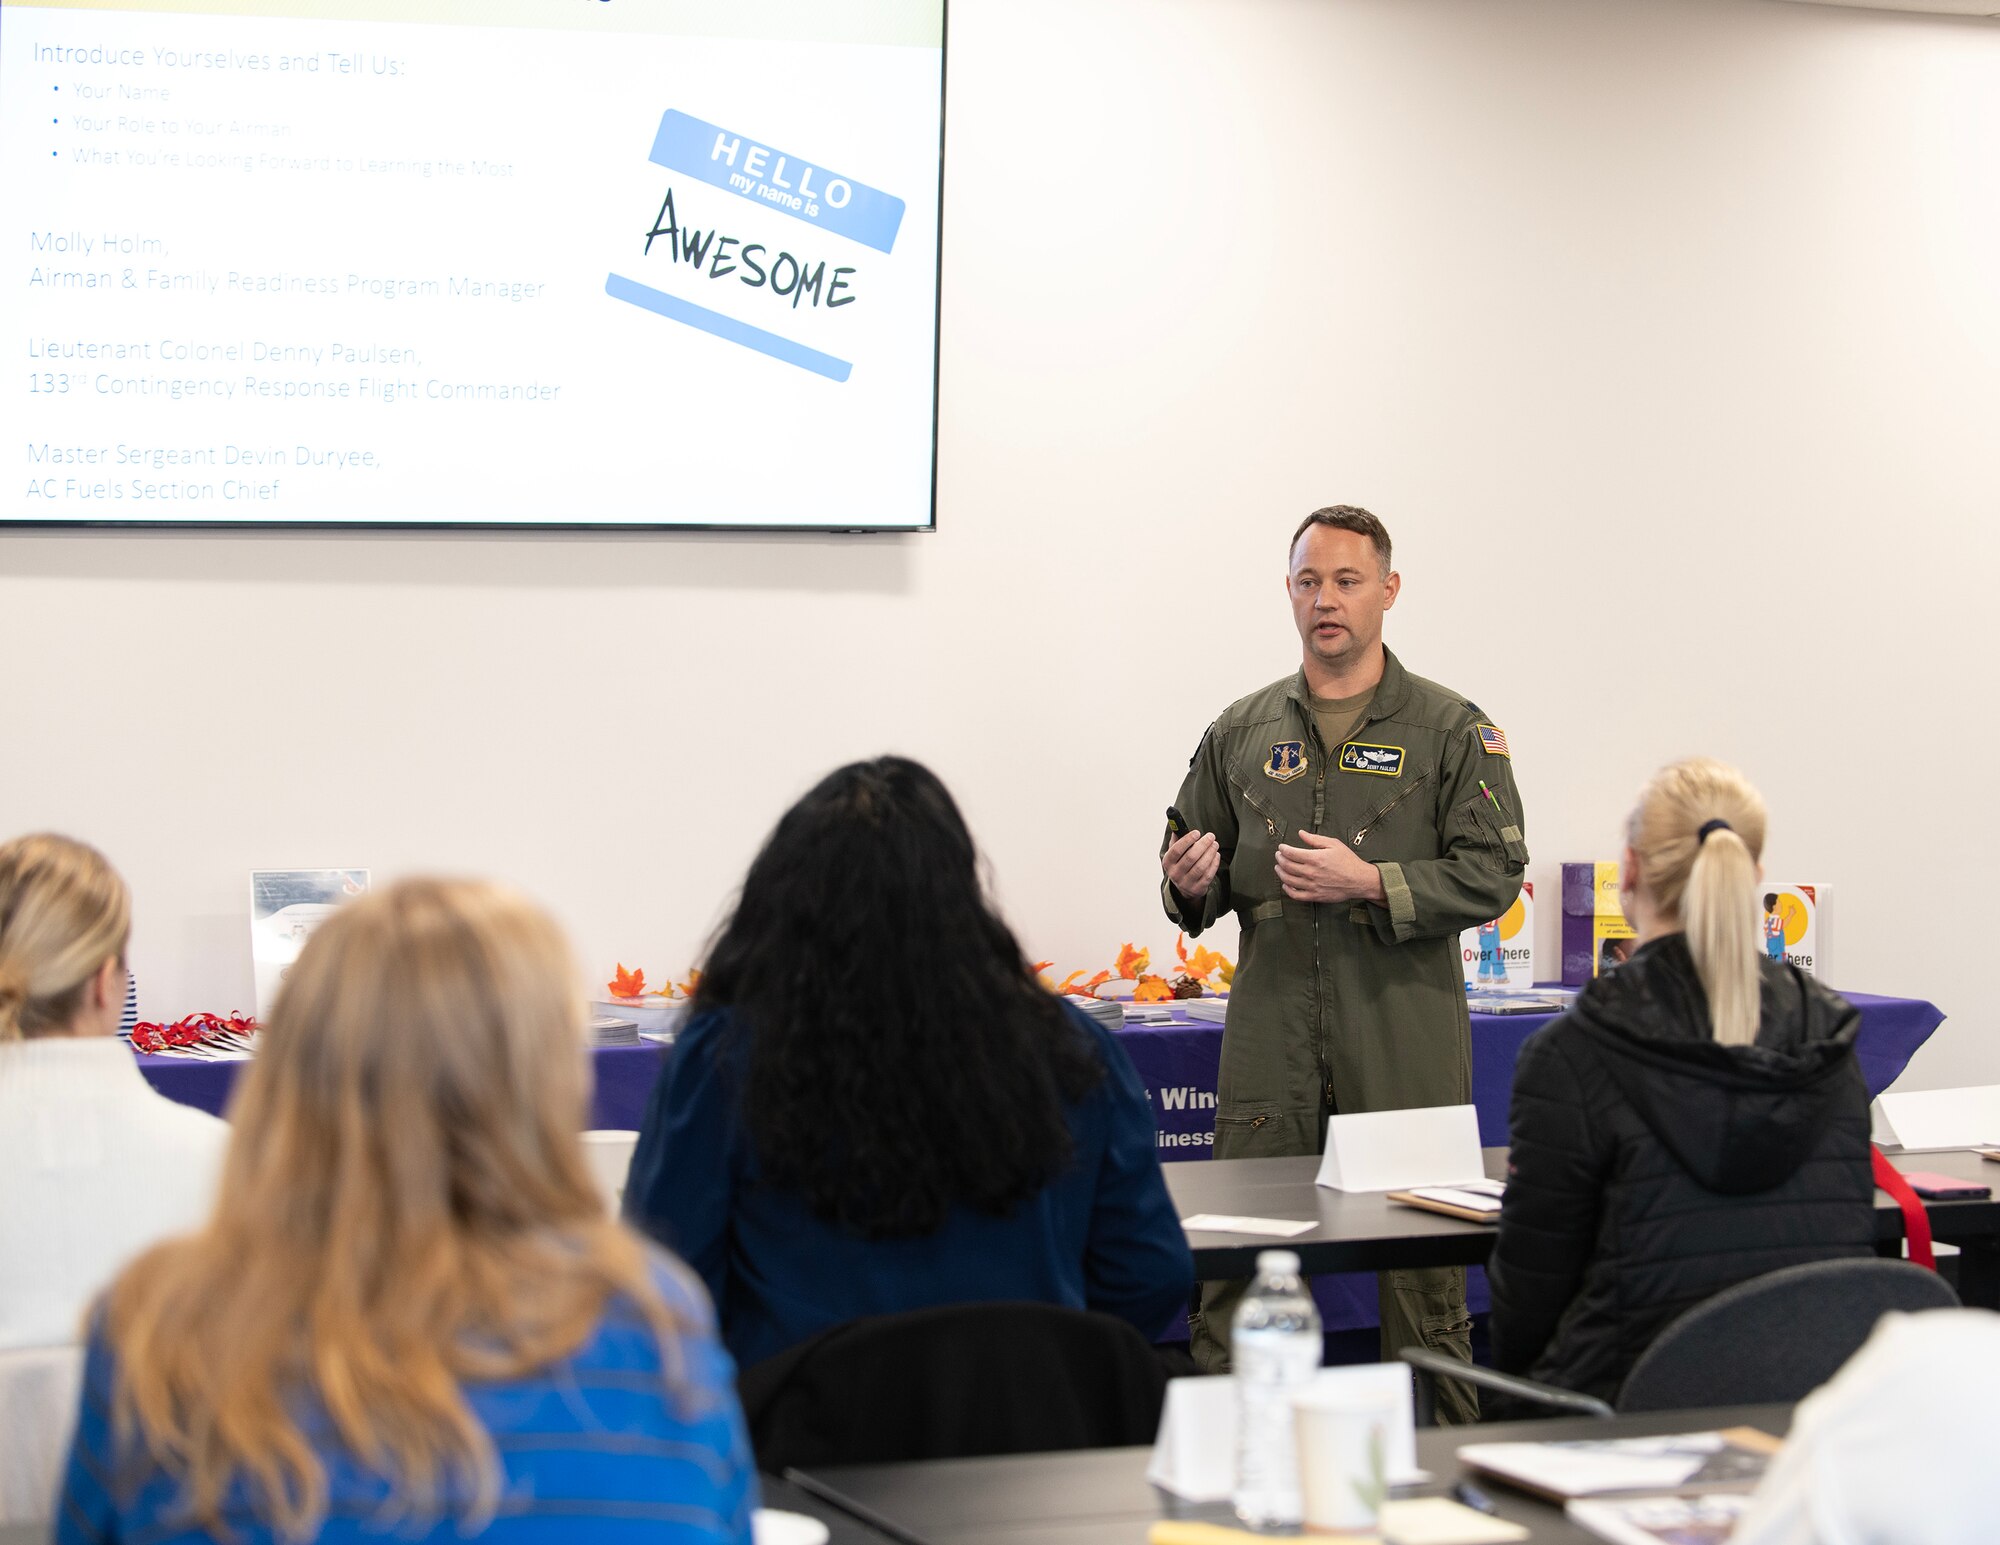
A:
(1214, 1010)
(606, 1031)
(1476, 1200)
(1106, 1013)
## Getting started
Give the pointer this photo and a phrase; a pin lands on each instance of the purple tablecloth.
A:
(625, 1077)
(1178, 1064)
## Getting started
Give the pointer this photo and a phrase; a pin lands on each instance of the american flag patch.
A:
(1494, 741)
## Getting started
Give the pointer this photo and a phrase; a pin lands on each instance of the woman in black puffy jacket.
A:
(1696, 1119)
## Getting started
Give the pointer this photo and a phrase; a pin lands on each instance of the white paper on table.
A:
(1398, 1150)
(1935, 1119)
(1441, 1521)
(1229, 1223)
(1194, 1455)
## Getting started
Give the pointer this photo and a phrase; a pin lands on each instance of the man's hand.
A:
(1327, 869)
(1190, 863)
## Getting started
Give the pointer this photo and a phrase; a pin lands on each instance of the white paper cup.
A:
(1343, 1438)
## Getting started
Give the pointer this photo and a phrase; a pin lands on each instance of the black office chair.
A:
(1773, 1339)
(954, 1382)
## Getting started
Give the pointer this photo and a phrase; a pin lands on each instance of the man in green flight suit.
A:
(1356, 819)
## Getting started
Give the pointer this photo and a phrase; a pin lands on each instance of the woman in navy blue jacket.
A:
(875, 1107)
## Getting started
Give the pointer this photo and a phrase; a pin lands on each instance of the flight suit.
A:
(1350, 1006)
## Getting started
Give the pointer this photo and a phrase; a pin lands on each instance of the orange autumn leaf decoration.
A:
(1131, 962)
(686, 989)
(1152, 989)
(628, 984)
(1203, 963)
(1069, 984)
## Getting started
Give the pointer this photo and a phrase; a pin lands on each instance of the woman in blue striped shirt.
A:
(409, 1316)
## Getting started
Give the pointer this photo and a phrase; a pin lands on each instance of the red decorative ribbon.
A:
(1916, 1222)
(192, 1031)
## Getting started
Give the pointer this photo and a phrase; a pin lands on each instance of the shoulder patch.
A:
(1492, 741)
(1287, 761)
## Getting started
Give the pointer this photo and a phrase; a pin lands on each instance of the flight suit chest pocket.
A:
(1267, 816)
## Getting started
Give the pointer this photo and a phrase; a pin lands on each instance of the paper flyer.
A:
(286, 906)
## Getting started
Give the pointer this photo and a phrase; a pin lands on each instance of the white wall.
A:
(1664, 335)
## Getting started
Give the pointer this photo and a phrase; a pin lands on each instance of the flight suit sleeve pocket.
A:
(1500, 834)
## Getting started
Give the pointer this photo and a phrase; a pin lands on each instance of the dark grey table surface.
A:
(1352, 1231)
(1102, 1496)
(1365, 1231)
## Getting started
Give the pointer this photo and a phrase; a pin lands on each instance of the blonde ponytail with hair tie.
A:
(1698, 834)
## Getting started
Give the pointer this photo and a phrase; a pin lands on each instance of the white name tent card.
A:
(1228, 1223)
(1935, 1119)
(1396, 1150)
(1194, 1455)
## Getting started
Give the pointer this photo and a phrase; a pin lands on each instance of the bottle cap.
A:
(1279, 1263)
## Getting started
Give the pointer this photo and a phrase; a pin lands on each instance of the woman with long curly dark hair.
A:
(875, 1107)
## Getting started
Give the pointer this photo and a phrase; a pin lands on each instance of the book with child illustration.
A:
(1500, 954)
(1789, 916)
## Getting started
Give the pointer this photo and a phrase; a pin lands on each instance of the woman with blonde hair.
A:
(94, 1166)
(410, 1314)
(1696, 1119)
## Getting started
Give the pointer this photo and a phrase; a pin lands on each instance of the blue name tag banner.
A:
(777, 179)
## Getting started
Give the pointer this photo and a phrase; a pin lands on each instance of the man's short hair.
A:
(1346, 517)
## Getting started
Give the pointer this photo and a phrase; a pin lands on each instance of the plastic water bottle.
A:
(1275, 1348)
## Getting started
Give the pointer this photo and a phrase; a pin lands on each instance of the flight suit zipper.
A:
(1380, 815)
(1319, 980)
(1270, 816)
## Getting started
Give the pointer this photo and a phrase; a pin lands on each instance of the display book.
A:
(1677, 1489)
(1596, 935)
(1501, 962)
(1500, 955)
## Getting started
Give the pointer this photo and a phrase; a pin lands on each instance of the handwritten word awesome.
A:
(784, 274)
